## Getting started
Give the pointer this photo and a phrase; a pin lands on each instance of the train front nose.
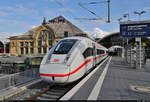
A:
(55, 73)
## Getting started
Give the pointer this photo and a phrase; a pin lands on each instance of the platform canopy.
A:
(114, 39)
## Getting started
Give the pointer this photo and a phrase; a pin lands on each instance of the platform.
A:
(114, 80)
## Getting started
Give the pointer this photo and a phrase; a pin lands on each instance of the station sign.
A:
(135, 28)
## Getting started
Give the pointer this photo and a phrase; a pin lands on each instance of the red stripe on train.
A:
(99, 56)
(64, 75)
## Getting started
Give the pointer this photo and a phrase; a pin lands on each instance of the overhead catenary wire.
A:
(80, 20)
(108, 1)
(94, 2)
(80, 4)
(88, 18)
(60, 4)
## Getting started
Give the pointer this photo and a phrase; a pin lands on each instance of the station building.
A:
(40, 39)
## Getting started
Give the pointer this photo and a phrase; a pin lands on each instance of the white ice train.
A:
(70, 59)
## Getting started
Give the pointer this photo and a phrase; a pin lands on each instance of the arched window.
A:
(44, 39)
(40, 39)
(49, 35)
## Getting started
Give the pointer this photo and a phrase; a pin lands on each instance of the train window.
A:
(100, 52)
(88, 52)
(64, 46)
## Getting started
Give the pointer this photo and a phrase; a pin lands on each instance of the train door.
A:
(88, 56)
(94, 55)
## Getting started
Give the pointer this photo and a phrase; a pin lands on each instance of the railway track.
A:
(44, 91)
(30, 91)
(55, 92)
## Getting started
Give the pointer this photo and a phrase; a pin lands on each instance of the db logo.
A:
(56, 60)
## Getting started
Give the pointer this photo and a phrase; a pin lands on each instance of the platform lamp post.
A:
(127, 15)
(139, 13)
(119, 20)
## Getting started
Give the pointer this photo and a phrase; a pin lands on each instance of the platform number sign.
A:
(133, 29)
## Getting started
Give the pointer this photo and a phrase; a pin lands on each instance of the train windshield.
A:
(64, 46)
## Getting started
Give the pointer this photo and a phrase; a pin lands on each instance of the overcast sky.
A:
(18, 16)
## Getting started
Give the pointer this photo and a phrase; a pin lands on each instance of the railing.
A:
(8, 81)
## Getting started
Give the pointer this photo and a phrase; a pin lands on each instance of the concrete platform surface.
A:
(121, 78)
(115, 80)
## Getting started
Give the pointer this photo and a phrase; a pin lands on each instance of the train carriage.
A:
(70, 59)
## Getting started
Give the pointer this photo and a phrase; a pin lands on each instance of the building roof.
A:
(26, 35)
(59, 25)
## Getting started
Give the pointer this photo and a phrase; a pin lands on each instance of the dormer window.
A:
(59, 19)
(56, 20)
(65, 33)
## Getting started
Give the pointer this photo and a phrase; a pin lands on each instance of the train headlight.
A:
(48, 59)
(66, 59)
